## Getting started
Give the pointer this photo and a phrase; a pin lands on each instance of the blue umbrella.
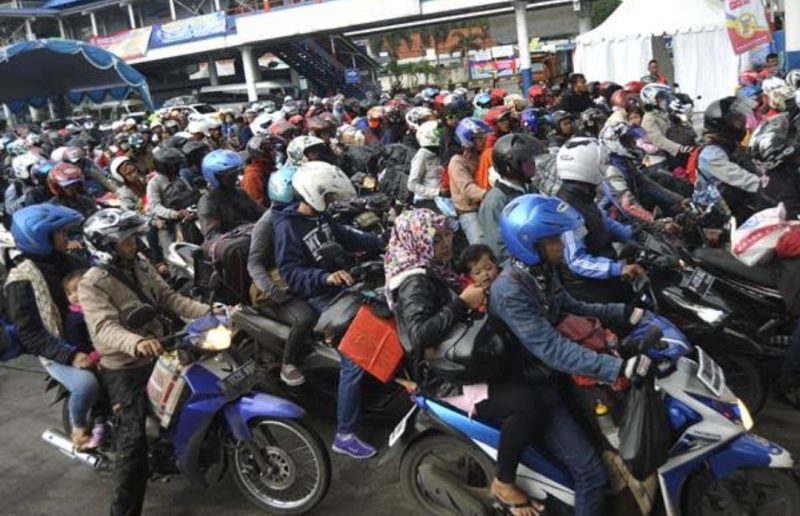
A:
(34, 71)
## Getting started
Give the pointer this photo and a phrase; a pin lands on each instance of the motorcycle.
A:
(742, 325)
(262, 337)
(276, 460)
(715, 466)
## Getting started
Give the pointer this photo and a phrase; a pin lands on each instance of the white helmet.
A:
(22, 165)
(777, 96)
(106, 227)
(418, 115)
(653, 93)
(116, 163)
(793, 78)
(429, 134)
(296, 150)
(319, 184)
(772, 83)
(213, 123)
(130, 123)
(58, 154)
(515, 101)
(196, 126)
(261, 123)
(349, 135)
(582, 159)
(117, 125)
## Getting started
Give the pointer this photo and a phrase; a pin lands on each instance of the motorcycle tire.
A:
(762, 491)
(265, 489)
(744, 379)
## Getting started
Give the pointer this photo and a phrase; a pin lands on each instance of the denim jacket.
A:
(531, 302)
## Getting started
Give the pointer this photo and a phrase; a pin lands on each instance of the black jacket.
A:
(24, 313)
(581, 196)
(781, 185)
(575, 103)
(426, 309)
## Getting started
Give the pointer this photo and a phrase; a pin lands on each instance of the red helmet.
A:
(438, 101)
(634, 87)
(283, 129)
(498, 94)
(496, 114)
(749, 78)
(537, 95)
(621, 99)
(63, 175)
(319, 124)
(297, 120)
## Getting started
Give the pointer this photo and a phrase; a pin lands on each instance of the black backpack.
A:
(395, 165)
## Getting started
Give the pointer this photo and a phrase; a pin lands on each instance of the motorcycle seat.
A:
(723, 261)
(252, 320)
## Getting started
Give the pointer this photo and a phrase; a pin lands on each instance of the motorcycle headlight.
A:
(710, 315)
(216, 339)
(744, 414)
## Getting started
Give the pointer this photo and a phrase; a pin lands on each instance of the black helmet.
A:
(513, 155)
(770, 145)
(726, 118)
(592, 121)
(176, 141)
(168, 161)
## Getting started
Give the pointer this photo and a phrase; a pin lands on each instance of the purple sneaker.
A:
(352, 446)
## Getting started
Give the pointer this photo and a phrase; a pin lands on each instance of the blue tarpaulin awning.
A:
(35, 71)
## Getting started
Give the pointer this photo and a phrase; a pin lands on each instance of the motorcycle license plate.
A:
(700, 282)
(240, 381)
(400, 429)
(710, 373)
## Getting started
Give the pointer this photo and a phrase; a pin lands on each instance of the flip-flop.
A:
(509, 507)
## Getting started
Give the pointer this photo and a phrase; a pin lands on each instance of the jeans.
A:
(301, 317)
(348, 408)
(471, 227)
(568, 443)
(83, 387)
(126, 390)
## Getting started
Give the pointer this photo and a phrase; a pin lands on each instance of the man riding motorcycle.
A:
(120, 281)
(65, 181)
(593, 271)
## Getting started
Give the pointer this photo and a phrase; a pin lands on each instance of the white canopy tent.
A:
(704, 62)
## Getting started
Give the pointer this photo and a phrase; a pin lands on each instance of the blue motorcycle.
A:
(206, 418)
(715, 465)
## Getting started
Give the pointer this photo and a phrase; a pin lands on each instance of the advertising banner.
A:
(130, 44)
(190, 29)
(747, 24)
(493, 69)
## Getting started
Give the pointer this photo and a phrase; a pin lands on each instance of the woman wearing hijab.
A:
(421, 285)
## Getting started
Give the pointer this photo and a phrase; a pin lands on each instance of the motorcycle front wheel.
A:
(744, 379)
(292, 473)
(756, 491)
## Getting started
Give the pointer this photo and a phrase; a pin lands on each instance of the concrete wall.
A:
(545, 23)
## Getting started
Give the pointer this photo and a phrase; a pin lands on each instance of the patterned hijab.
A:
(411, 244)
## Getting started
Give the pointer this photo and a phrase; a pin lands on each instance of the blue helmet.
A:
(751, 90)
(33, 226)
(482, 101)
(468, 128)
(529, 120)
(220, 162)
(279, 187)
(528, 219)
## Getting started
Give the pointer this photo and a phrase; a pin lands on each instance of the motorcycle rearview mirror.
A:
(140, 316)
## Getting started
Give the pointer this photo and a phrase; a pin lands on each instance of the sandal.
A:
(509, 508)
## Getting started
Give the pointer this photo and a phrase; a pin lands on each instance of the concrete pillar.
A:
(131, 16)
(10, 120)
(29, 35)
(250, 72)
(213, 76)
(523, 40)
(216, 5)
(792, 34)
(172, 12)
(61, 29)
(94, 23)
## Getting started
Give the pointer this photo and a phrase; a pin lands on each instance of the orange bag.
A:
(373, 344)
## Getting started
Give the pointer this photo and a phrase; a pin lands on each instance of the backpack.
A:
(361, 158)
(395, 165)
(691, 164)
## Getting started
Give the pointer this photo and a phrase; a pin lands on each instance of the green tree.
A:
(602, 9)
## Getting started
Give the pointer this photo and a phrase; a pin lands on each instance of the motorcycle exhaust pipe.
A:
(64, 444)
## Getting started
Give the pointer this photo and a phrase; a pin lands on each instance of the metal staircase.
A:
(323, 71)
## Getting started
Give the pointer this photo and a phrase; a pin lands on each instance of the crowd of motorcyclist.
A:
(537, 188)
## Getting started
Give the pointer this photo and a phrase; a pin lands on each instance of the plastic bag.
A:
(754, 241)
(644, 432)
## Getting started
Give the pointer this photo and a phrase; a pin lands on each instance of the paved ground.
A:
(37, 481)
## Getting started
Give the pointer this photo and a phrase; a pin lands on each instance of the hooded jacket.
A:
(223, 210)
(298, 239)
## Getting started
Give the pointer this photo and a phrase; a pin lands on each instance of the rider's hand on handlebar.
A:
(149, 348)
(185, 215)
(82, 361)
(631, 271)
(474, 296)
(637, 366)
(339, 278)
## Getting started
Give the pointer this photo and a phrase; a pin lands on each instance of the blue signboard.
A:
(352, 76)
(191, 29)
